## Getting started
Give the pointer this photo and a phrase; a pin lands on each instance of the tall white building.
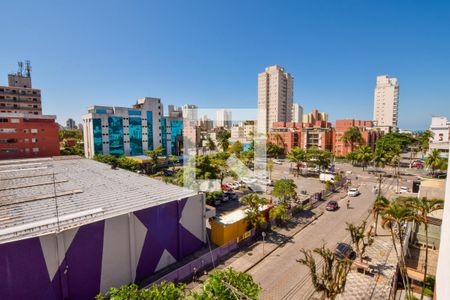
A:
(385, 110)
(440, 127)
(224, 118)
(297, 113)
(275, 97)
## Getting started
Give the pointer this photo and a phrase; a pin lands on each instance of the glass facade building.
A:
(97, 130)
(115, 132)
(135, 133)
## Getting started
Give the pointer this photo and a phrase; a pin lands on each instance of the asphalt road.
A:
(281, 276)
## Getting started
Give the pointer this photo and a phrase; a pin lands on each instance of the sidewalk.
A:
(245, 260)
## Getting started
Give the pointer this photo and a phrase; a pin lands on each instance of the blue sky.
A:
(210, 52)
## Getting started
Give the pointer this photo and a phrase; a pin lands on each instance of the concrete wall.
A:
(83, 261)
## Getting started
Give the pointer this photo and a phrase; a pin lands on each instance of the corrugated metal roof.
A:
(87, 191)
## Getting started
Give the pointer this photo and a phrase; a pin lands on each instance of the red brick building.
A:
(368, 132)
(303, 135)
(28, 136)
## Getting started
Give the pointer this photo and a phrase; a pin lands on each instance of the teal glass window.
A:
(176, 131)
(135, 133)
(115, 136)
(134, 112)
(164, 136)
(98, 142)
(100, 111)
(150, 130)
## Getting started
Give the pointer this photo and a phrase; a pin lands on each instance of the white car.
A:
(247, 180)
(266, 182)
(404, 189)
(353, 192)
(277, 162)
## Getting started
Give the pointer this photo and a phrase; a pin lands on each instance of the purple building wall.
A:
(25, 273)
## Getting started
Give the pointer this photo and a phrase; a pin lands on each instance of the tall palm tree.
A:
(223, 139)
(380, 158)
(331, 279)
(379, 206)
(297, 156)
(423, 207)
(352, 136)
(434, 160)
(210, 144)
(279, 139)
(364, 155)
(394, 216)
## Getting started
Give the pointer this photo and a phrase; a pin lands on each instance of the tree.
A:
(210, 144)
(318, 157)
(154, 154)
(331, 279)
(237, 148)
(279, 140)
(352, 136)
(297, 156)
(395, 139)
(360, 239)
(274, 150)
(352, 156)
(280, 214)
(270, 167)
(423, 207)
(394, 216)
(164, 290)
(423, 141)
(380, 158)
(434, 160)
(228, 284)
(285, 190)
(223, 139)
(253, 213)
(173, 160)
(379, 206)
(364, 155)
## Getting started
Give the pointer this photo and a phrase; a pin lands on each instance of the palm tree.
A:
(394, 216)
(380, 158)
(379, 206)
(394, 160)
(222, 139)
(364, 155)
(423, 142)
(253, 213)
(352, 136)
(270, 167)
(285, 190)
(423, 207)
(279, 140)
(331, 279)
(434, 160)
(297, 156)
(210, 144)
(358, 235)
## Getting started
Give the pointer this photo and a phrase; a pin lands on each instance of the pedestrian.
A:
(348, 203)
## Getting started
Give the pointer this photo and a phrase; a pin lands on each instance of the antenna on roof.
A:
(28, 68)
(20, 70)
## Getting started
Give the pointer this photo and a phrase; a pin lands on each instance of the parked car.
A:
(326, 177)
(226, 187)
(332, 206)
(267, 182)
(344, 251)
(404, 189)
(353, 192)
(231, 196)
(247, 180)
(277, 162)
(417, 164)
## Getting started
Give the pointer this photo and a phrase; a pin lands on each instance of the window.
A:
(34, 140)
(34, 130)
(3, 120)
(35, 150)
(8, 141)
(7, 130)
(15, 121)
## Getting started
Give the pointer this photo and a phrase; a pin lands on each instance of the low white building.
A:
(440, 127)
(243, 131)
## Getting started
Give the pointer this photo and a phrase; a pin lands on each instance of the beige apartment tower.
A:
(275, 97)
(385, 110)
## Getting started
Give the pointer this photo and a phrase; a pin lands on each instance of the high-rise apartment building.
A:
(315, 116)
(70, 124)
(385, 110)
(440, 127)
(275, 97)
(297, 113)
(224, 118)
(19, 96)
(122, 130)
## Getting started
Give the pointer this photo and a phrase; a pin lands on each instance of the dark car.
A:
(344, 251)
(332, 206)
(231, 195)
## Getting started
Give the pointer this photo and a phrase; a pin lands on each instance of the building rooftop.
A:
(86, 191)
